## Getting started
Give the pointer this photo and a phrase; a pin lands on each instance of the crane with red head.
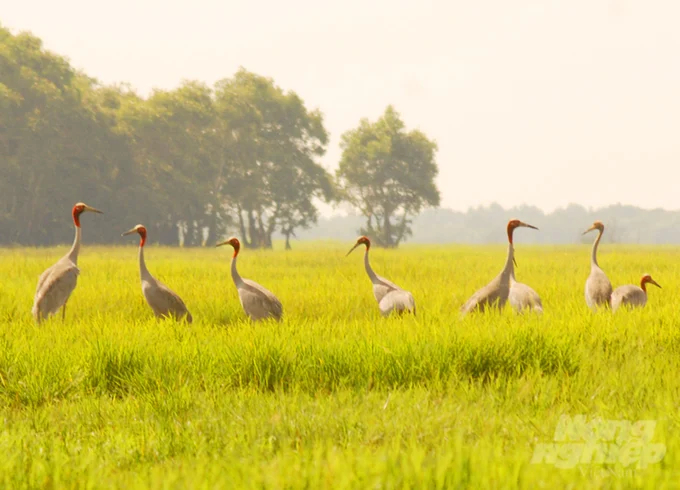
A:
(496, 293)
(56, 284)
(390, 297)
(258, 302)
(631, 295)
(164, 302)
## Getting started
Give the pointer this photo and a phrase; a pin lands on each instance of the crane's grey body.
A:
(390, 297)
(495, 294)
(628, 295)
(163, 301)
(598, 290)
(632, 296)
(56, 284)
(523, 297)
(258, 302)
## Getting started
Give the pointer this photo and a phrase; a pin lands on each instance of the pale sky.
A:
(530, 101)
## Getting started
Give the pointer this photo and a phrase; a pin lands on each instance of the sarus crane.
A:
(390, 297)
(632, 296)
(258, 302)
(163, 301)
(495, 294)
(56, 284)
(598, 287)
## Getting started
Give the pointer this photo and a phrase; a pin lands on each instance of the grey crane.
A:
(522, 297)
(598, 287)
(495, 294)
(164, 302)
(56, 284)
(390, 297)
(258, 302)
(631, 295)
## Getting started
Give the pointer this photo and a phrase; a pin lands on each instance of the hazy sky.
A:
(530, 101)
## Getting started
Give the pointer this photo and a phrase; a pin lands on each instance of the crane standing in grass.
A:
(598, 287)
(631, 295)
(56, 284)
(258, 302)
(163, 301)
(390, 297)
(495, 294)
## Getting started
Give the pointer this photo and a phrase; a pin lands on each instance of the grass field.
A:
(334, 395)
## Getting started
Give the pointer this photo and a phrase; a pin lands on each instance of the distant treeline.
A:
(192, 164)
(486, 224)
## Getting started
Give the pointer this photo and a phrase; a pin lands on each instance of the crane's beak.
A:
(514, 261)
(352, 249)
(589, 229)
(527, 225)
(221, 243)
(91, 209)
(655, 283)
(129, 232)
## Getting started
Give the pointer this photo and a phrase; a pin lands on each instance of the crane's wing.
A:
(164, 301)
(397, 300)
(259, 302)
(522, 296)
(628, 295)
(598, 288)
(55, 285)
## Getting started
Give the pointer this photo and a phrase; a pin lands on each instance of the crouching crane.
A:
(631, 295)
(56, 284)
(163, 301)
(495, 294)
(258, 302)
(522, 297)
(390, 297)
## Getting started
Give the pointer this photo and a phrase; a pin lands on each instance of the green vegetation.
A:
(334, 395)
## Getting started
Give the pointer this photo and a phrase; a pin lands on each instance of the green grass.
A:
(335, 395)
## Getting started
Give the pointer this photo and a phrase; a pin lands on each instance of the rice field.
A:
(336, 396)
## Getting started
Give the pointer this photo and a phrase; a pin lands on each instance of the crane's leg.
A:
(63, 313)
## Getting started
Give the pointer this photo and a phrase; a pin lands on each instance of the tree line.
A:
(192, 164)
(486, 224)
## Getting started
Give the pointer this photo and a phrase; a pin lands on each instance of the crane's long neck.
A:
(234, 273)
(143, 271)
(596, 243)
(75, 248)
(509, 269)
(369, 270)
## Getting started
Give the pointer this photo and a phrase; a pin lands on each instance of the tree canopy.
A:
(188, 163)
(192, 163)
(388, 174)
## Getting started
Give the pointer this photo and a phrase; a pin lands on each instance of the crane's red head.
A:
(233, 241)
(142, 233)
(647, 279)
(362, 240)
(78, 209)
(515, 223)
(598, 225)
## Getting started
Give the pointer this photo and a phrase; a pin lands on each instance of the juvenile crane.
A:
(495, 294)
(163, 301)
(390, 297)
(258, 302)
(631, 295)
(56, 284)
(522, 297)
(598, 288)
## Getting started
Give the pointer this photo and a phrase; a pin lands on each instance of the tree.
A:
(270, 145)
(388, 174)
